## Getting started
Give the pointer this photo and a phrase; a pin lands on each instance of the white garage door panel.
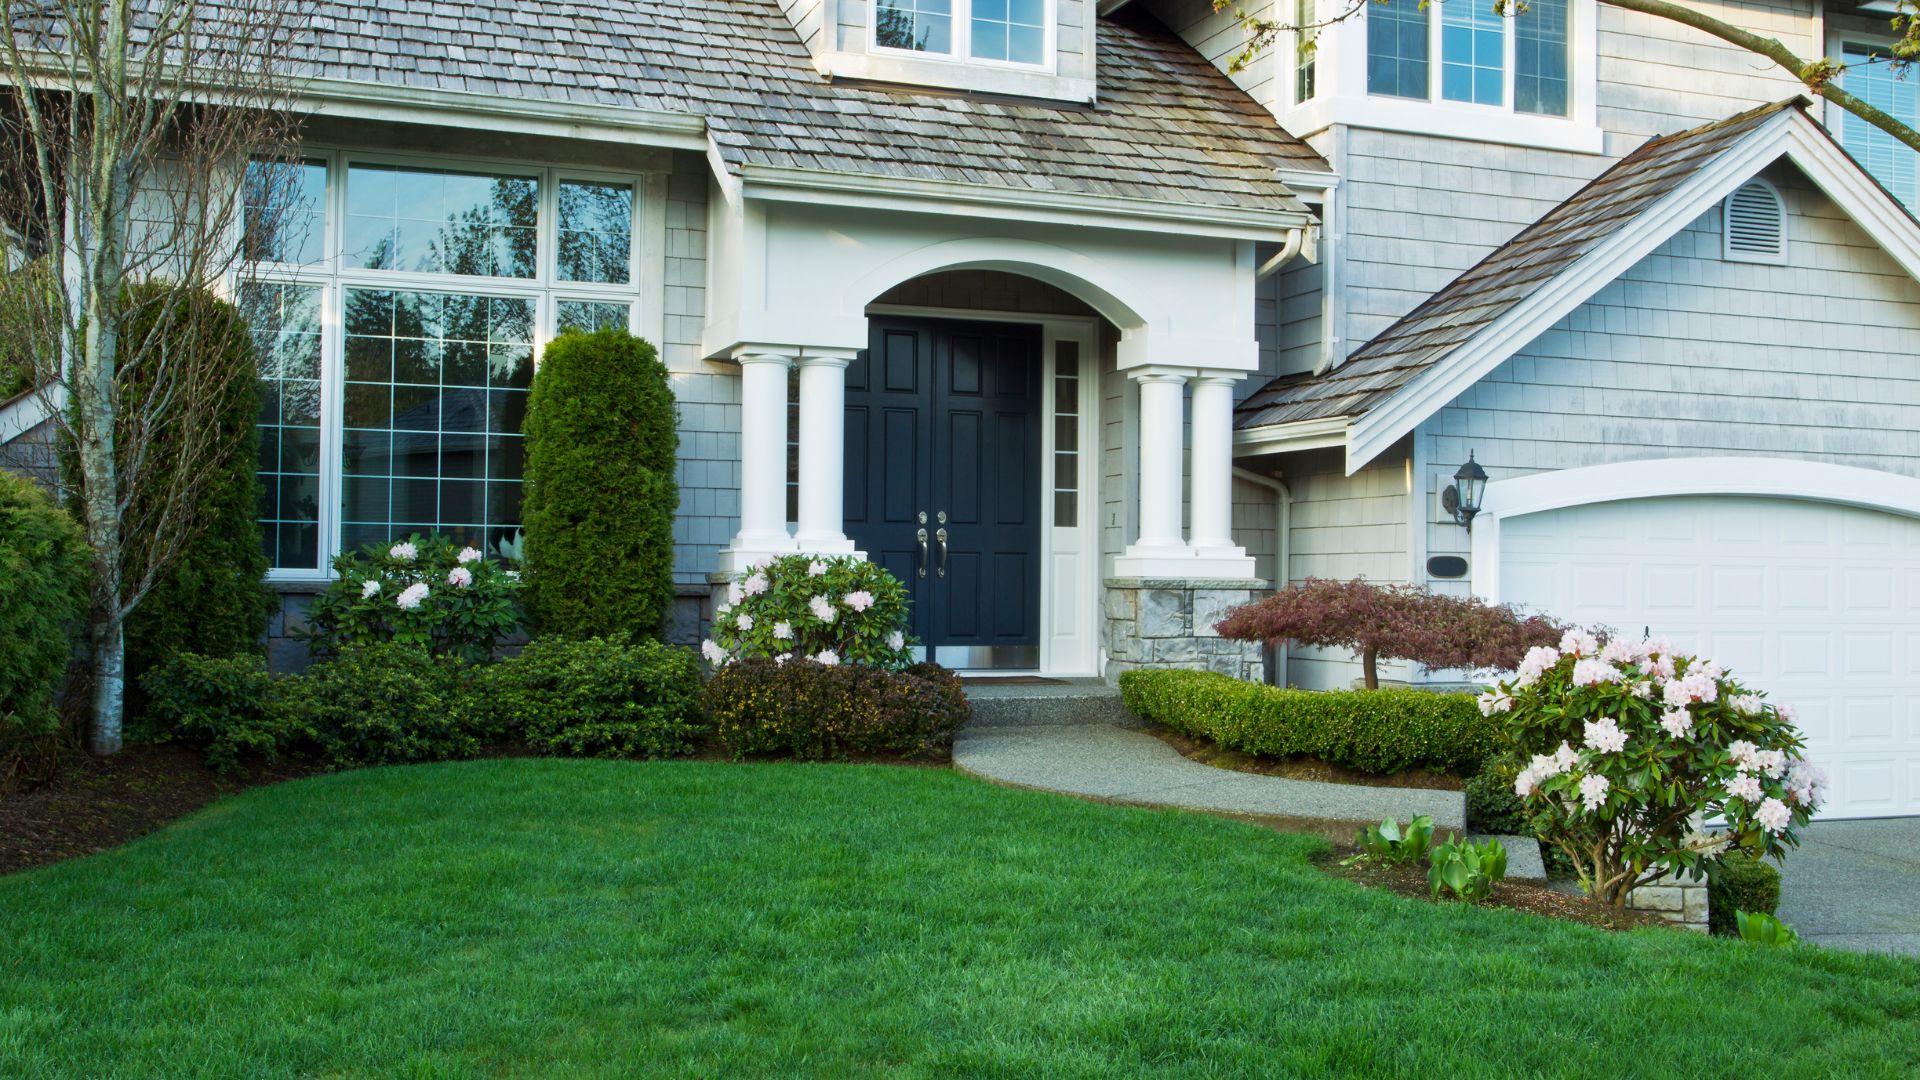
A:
(1813, 603)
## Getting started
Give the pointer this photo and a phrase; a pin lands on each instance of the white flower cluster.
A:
(403, 551)
(1594, 672)
(1542, 767)
(460, 577)
(1536, 663)
(411, 596)
(1605, 735)
(1494, 701)
(1593, 790)
(1578, 642)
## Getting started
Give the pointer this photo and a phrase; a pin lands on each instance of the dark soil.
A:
(1207, 752)
(92, 804)
(1410, 879)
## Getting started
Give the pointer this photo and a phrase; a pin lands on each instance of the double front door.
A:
(942, 481)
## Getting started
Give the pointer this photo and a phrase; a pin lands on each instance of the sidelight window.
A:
(1066, 434)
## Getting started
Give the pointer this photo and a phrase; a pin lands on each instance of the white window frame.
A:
(644, 291)
(1342, 96)
(962, 15)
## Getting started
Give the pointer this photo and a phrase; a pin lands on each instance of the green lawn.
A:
(580, 918)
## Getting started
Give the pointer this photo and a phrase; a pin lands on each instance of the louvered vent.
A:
(1756, 224)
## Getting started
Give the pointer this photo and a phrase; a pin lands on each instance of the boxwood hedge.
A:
(1374, 731)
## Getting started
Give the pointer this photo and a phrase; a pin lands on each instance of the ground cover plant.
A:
(594, 918)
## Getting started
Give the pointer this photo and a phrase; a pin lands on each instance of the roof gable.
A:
(1464, 331)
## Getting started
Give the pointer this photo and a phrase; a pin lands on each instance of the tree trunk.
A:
(100, 509)
(1370, 665)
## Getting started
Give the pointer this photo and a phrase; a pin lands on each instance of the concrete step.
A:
(1070, 701)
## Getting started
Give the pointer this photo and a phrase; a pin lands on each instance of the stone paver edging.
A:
(1108, 762)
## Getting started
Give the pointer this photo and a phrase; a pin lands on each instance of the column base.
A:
(827, 545)
(747, 552)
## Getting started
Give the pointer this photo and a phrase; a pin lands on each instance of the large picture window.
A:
(398, 311)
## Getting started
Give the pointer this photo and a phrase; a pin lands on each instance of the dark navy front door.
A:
(943, 435)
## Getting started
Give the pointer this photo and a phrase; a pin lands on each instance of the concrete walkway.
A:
(1105, 761)
(1855, 885)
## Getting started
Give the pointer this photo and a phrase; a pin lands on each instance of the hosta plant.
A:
(831, 610)
(1763, 929)
(1468, 869)
(1387, 842)
(1622, 748)
(422, 591)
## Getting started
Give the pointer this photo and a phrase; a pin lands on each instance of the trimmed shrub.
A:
(419, 592)
(601, 697)
(819, 712)
(213, 595)
(46, 575)
(1492, 807)
(1375, 731)
(229, 706)
(1743, 883)
(600, 488)
(382, 704)
(829, 610)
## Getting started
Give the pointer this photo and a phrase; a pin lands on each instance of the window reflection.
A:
(286, 326)
(439, 221)
(596, 232)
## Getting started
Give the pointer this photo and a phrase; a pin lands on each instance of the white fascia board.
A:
(1296, 435)
(818, 187)
(29, 409)
(1432, 389)
(1858, 195)
(513, 115)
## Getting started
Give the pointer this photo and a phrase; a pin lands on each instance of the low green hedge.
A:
(1375, 731)
(598, 697)
(1744, 883)
(818, 712)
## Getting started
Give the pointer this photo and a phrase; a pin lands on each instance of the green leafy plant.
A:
(831, 611)
(601, 697)
(1376, 731)
(1467, 869)
(819, 712)
(421, 592)
(1739, 882)
(1388, 843)
(1620, 746)
(46, 571)
(602, 443)
(228, 706)
(1763, 929)
(384, 703)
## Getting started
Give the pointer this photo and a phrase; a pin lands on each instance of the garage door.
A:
(1813, 603)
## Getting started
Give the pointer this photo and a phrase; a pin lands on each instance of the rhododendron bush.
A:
(1623, 747)
(422, 591)
(830, 610)
(1391, 622)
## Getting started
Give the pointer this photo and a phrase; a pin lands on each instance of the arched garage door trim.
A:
(1764, 477)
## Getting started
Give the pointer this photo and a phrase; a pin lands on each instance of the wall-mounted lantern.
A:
(1462, 497)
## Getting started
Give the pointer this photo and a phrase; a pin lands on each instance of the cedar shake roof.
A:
(1499, 282)
(1168, 125)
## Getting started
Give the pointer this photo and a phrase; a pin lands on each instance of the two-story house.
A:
(1087, 335)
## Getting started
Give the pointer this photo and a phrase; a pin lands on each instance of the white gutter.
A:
(1282, 544)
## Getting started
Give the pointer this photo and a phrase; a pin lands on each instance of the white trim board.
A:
(1764, 477)
(1790, 134)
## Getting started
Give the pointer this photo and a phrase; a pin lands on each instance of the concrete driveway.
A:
(1856, 885)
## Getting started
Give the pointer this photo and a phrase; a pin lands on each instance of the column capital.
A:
(824, 358)
(1218, 377)
(1158, 376)
(782, 355)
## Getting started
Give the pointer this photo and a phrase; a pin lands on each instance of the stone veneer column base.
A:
(1168, 623)
(1677, 900)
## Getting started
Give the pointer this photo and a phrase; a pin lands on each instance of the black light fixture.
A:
(1462, 497)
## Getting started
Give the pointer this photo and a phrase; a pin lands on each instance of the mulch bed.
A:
(92, 804)
(1411, 880)
(1207, 752)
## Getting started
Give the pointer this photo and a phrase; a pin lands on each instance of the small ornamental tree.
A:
(1394, 622)
(803, 607)
(1622, 748)
(600, 487)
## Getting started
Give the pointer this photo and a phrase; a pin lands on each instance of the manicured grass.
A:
(582, 918)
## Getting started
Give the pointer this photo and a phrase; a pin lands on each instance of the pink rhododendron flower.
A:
(1746, 703)
(469, 554)
(1643, 690)
(1593, 790)
(1564, 758)
(1578, 642)
(754, 585)
(1660, 667)
(1772, 762)
(744, 622)
(1494, 701)
(1523, 783)
(369, 588)
(1678, 722)
(1807, 783)
(1534, 664)
(1594, 672)
(1773, 816)
(1745, 786)
(827, 657)
(411, 596)
(822, 608)
(713, 652)
(816, 568)
(1744, 754)
(734, 593)
(859, 600)
(783, 631)
(781, 660)
(896, 640)
(1605, 735)
(403, 551)
(1623, 651)
(459, 577)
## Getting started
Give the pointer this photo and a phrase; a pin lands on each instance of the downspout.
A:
(1296, 239)
(1282, 520)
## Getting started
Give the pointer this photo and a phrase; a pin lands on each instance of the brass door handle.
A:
(941, 536)
(922, 536)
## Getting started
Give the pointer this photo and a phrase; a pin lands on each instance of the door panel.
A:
(952, 411)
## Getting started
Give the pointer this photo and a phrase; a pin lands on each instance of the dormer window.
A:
(1480, 62)
(996, 31)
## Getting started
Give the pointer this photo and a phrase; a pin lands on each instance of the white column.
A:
(823, 441)
(763, 462)
(1213, 465)
(1161, 439)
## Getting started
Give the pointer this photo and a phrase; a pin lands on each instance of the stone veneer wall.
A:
(1153, 623)
(1677, 900)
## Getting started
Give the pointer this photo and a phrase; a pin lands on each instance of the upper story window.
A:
(1891, 162)
(999, 31)
(1305, 49)
(1480, 62)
